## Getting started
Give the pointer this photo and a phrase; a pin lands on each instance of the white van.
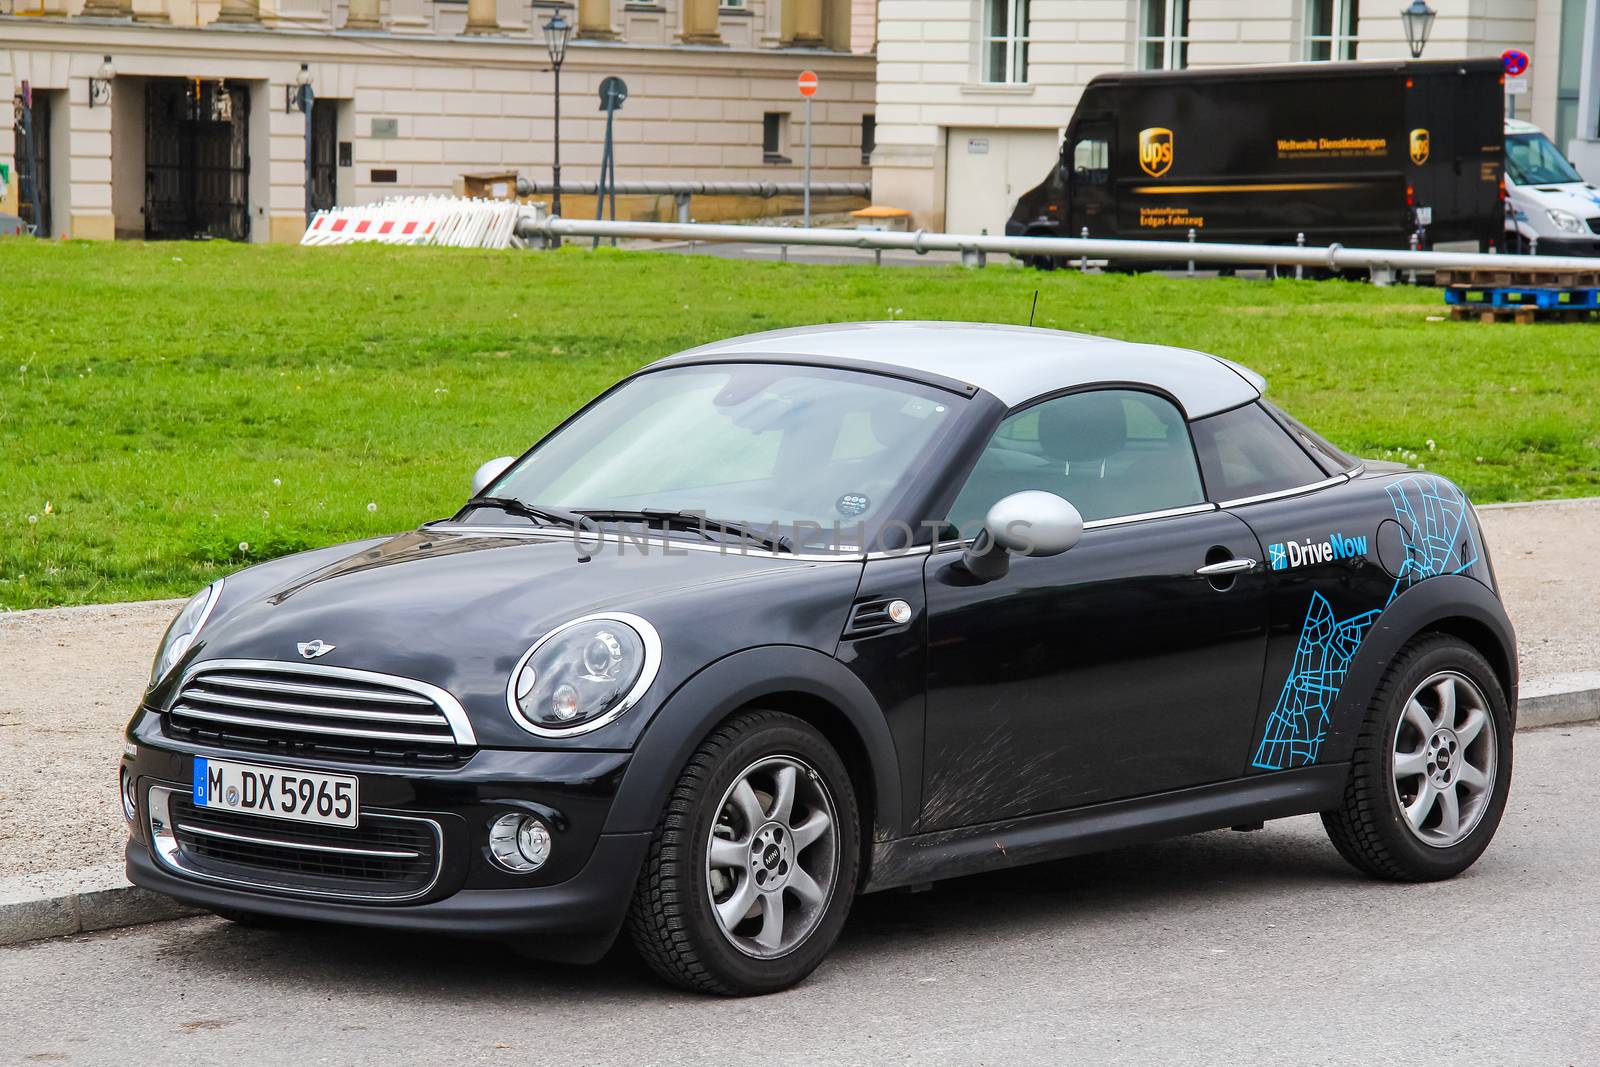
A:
(1546, 197)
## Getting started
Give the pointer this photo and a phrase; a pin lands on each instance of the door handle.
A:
(1227, 566)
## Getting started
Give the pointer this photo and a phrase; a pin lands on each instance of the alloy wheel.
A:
(773, 857)
(1445, 759)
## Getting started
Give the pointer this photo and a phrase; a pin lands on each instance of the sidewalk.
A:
(70, 677)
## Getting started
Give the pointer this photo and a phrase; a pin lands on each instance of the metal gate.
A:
(31, 119)
(197, 160)
(324, 149)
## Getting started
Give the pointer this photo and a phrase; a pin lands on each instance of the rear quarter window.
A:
(1331, 459)
(1245, 452)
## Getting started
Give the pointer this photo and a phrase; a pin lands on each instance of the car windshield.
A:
(1531, 159)
(821, 454)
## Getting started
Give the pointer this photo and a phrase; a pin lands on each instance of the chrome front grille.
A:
(304, 709)
(389, 858)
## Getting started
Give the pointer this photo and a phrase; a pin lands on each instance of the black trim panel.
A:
(1016, 842)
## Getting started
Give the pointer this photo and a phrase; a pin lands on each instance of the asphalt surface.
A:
(1233, 948)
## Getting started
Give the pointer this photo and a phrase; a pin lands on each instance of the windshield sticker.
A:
(852, 504)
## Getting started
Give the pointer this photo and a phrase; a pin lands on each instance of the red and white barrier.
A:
(453, 222)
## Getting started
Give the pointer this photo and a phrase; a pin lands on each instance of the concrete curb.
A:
(38, 906)
(1559, 699)
(58, 903)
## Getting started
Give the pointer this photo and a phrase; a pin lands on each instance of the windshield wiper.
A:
(693, 521)
(548, 516)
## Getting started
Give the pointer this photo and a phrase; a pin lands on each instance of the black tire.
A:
(671, 921)
(1369, 828)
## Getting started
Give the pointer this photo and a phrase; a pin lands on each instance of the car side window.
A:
(1110, 453)
(1245, 452)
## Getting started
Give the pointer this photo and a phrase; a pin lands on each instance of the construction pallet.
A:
(1494, 278)
(1524, 297)
(1513, 313)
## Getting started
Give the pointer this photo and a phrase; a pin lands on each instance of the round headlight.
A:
(584, 674)
(181, 634)
(519, 843)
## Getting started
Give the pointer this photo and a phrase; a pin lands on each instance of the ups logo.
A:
(1419, 147)
(1155, 151)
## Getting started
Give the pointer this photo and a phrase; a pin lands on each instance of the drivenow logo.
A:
(1336, 546)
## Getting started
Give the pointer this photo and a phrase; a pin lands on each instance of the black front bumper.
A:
(570, 909)
(1568, 246)
(575, 920)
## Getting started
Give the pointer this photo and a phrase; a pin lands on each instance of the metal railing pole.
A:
(1083, 261)
(1333, 257)
(1299, 270)
(1191, 241)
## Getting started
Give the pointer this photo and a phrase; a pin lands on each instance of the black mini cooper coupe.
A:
(820, 612)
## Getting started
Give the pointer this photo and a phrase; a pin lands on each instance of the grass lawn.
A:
(187, 408)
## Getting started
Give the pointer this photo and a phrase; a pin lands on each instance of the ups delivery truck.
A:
(1366, 154)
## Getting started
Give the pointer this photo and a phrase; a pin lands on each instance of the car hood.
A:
(458, 609)
(1578, 198)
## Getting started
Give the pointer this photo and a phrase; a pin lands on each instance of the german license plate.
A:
(275, 792)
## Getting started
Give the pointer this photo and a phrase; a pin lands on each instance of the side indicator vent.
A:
(871, 617)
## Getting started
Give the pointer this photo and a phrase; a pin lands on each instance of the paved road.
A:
(1222, 948)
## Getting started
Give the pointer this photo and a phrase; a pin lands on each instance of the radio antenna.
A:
(1034, 308)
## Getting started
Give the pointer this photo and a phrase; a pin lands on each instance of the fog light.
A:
(130, 809)
(520, 843)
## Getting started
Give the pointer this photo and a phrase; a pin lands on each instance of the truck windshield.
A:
(823, 455)
(1531, 159)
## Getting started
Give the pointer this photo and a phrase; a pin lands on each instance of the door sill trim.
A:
(1058, 834)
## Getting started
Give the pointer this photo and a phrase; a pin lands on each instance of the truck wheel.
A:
(753, 865)
(1432, 766)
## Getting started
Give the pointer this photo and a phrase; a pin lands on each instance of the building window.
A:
(869, 137)
(1005, 41)
(1164, 34)
(1331, 29)
(775, 137)
(1569, 67)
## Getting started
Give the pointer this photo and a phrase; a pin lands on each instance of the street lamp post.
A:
(556, 32)
(1418, 19)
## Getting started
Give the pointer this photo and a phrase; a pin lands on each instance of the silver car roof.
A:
(1014, 363)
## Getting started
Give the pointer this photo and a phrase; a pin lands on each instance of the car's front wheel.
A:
(753, 866)
(1432, 767)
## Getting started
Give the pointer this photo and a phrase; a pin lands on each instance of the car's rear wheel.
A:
(753, 866)
(1432, 766)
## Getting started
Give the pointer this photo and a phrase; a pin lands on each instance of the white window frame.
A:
(1341, 41)
(1014, 39)
(1176, 33)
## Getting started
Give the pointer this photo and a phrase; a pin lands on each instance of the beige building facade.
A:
(973, 95)
(172, 118)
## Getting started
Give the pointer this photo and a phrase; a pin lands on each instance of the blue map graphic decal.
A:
(1438, 539)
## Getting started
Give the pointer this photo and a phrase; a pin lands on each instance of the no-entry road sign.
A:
(808, 83)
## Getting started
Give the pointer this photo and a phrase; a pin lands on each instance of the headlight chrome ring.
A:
(176, 641)
(649, 639)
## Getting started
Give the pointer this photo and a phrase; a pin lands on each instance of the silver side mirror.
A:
(486, 474)
(1031, 523)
